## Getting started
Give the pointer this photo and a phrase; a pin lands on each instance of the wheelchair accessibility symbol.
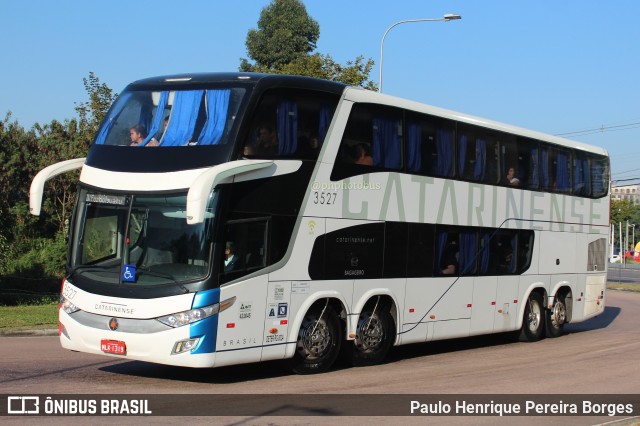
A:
(129, 273)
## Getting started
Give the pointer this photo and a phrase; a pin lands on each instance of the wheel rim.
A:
(315, 339)
(370, 333)
(559, 314)
(533, 321)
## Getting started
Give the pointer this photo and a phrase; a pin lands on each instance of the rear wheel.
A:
(533, 320)
(374, 336)
(318, 342)
(556, 317)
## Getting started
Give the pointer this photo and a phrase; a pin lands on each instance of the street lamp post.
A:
(446, 18)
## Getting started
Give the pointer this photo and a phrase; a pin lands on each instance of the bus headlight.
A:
(188, 317)
(67, 306)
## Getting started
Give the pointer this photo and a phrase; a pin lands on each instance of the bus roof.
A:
(252, 79)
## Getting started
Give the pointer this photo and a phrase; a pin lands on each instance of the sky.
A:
(570, 66)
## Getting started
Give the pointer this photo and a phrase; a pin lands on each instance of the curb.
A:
(28, 332)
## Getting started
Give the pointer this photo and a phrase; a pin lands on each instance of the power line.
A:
(601, 129)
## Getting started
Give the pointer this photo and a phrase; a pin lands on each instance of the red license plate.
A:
(113, 347)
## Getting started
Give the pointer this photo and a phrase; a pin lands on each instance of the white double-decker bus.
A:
(234, 218)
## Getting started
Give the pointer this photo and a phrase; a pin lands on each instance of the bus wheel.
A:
(556, 317)
(318, 342)
(533, 320)
(374, 336)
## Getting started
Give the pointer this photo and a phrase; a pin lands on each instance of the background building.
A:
(627, 192)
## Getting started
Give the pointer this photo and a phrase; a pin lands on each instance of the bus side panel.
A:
(484, 305)
(276, 321)
(415, 327)
(558, 255)
(506, 312)
(240, 327)
(594, 297)
(452, 300)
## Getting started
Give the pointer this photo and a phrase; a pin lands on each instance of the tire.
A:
(533, 319)
(556, 317)
(375, 335)
(318, 342)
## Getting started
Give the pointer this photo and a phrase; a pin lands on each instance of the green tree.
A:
(284, 42)
(29, 245)
(285, 31)
(93, 111)
(621, 212)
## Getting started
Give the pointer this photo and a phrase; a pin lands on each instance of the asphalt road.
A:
(599, 356)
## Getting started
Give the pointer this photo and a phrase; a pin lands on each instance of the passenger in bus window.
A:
(363, 155)
(137, 134)
(154, 141)
(266, 144)
(309, 148)
(511, 178)
(505, 255)
(230, 257)
(449, 263)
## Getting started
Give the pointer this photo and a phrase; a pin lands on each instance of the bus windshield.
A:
(171, 117)
(139, 239)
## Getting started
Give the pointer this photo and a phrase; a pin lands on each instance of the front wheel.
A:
(318, 342)
(374, 336)
(556, 317)
(533, 320)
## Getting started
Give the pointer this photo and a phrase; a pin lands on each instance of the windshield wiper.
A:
(163, 275)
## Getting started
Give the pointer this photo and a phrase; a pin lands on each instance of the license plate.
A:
(113, 347)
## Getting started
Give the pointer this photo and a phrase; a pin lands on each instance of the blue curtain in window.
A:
(386, 143)
(123, 99)
(217, 108)
(581, 181)
(158, 118)
(467, 254)
(186, 106)
(562, 172)
(441, 245)
(325, 120)
(587, 177)
(485, 255)
(512, 262)
(545, 168)
(481, 160)
(414, 148)
(597, 171)
(287, 127)
(444, 145)
(534, 179)
(462, 154)
(146, 115)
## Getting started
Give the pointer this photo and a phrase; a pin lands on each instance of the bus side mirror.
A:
(37, 184)
(198, 195)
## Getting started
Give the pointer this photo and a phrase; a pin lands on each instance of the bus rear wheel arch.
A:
(319, 339)
(375, 334)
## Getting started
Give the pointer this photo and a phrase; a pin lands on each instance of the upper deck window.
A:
(289, 124)
(171, 118)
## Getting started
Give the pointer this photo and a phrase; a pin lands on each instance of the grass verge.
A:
(611, 285)
(29, 316)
